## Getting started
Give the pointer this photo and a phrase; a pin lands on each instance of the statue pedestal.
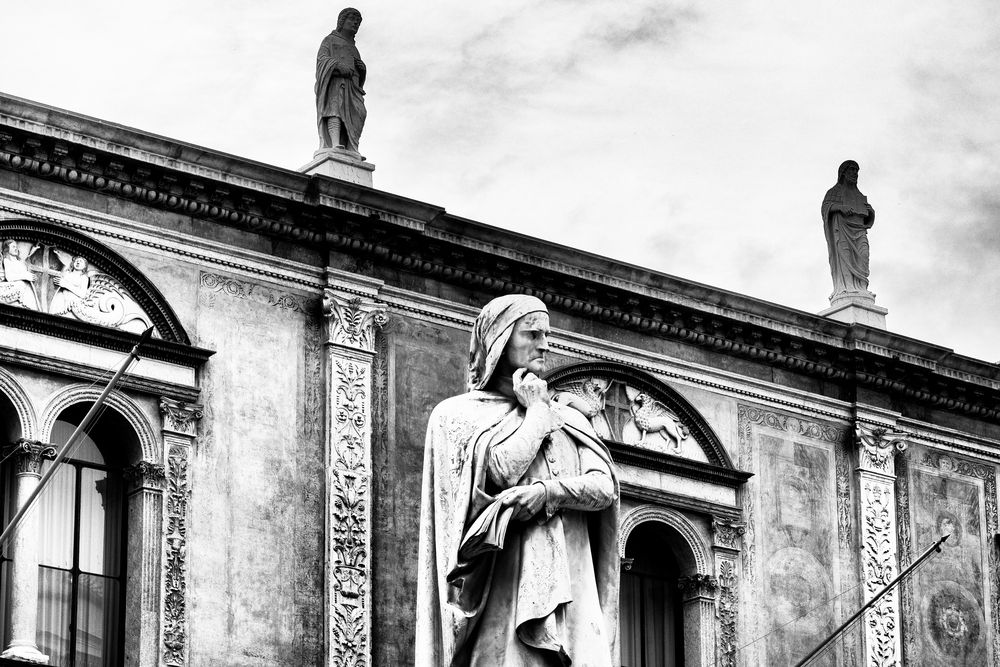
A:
(856, 308)
(341, 164)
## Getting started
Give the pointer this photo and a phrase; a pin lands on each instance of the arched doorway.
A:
(651, 608)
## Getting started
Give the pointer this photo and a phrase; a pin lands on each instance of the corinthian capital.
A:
(28, 456)
(351, 321)
(180, 417)
(877, 445)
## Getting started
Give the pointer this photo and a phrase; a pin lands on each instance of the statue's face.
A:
(351, 23)
(79, 264)
(851, 174)
(528, 344)
(11, 248)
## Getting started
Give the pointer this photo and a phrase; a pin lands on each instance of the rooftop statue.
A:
(340, 80)
(847, 217)
(518, 559)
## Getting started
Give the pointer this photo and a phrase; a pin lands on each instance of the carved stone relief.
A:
(728, 611)
(215, 284)
(47, 278)
(350, 338)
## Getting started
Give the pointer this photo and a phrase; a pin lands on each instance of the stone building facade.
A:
(257, 475)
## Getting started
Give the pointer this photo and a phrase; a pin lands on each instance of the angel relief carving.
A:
(46, 278)
(629, 415)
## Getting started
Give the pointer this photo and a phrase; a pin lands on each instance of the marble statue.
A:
(518, 559)
(16, 279)
(847, 217)
(72, 286)
(340, 80)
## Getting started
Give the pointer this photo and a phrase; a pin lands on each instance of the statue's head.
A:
(511, 332)
(10, 247)
(847, 172)
(349, 20)
(79, 263)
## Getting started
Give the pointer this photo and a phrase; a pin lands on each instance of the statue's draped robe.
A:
(847, 238)
(73, 286)
(338, 94)
(550, 596)
(15, 285)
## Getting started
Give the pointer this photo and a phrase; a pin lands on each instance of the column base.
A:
(341, 164)
(856, 308)
(25, 652)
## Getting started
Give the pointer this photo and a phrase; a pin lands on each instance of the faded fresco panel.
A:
(799, 545)
(949, 596)
(799, 522)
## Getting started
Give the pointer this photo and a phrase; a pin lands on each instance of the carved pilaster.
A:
(877, 446)
(728, 541)
(350, 345)
(179, 431)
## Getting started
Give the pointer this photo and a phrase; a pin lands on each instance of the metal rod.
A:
(65, 449)
(826, 642)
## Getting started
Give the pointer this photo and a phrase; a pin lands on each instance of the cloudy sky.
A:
(694, 138)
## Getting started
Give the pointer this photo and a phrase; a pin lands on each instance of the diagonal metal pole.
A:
(65, 449)
(878, 596)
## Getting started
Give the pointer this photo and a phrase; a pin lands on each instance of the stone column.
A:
(24, 554)
(727, 538)
(142, 590)
(877, 445)
(179, 432)
(698, 601)
(349, 354)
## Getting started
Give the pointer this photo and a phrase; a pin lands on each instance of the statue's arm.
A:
(590, 491)
(507, 461)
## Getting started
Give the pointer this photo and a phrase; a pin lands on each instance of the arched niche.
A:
(691, 552)
(109, 290)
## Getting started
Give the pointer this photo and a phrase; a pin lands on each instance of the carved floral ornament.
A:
(878, 445)
(351, 321)
(46, 277)
(180, 417)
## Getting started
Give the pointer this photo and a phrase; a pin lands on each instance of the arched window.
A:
(80, 519)
(651, 610)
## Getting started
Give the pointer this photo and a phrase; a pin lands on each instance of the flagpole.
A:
(826, 642)
(65, 449)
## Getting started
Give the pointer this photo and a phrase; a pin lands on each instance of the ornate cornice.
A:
(351, 321)
(179, 417)
(877, 445)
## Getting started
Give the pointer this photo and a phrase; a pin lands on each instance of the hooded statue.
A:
(544, 591)
(847, 217)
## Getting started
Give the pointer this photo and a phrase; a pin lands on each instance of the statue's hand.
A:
(527, 500)
(529, 388)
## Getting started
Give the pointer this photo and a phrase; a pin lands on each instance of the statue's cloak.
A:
(460, 432)
(847, 237)
(338, 94)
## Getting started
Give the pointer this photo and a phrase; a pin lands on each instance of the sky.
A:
(692, 138)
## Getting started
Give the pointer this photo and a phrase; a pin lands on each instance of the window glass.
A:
(56, 509)
(55, 594)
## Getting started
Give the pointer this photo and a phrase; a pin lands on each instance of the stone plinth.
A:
(341, 164)
(856, 308)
